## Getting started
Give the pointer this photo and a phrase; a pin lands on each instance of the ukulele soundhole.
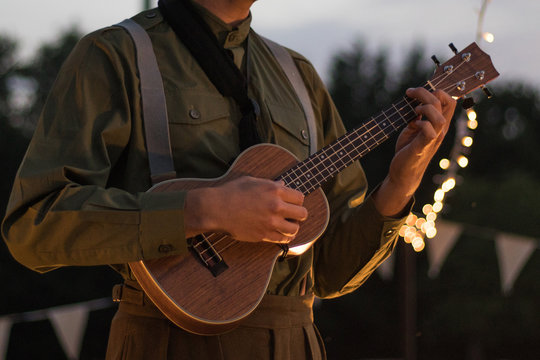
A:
(203, 250)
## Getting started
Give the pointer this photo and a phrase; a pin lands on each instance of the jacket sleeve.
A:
(65, 208)
(358, 238)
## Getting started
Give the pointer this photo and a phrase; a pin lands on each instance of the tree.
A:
(501, 185)
(12, 143)
(461, 314)
(40, 73)
(363, 84)
(23, 91)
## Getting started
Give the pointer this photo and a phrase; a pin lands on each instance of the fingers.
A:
(279, 238)
(438, 100)
(262, 210)
(287, 215)
(437, 107)
(290, 206)
(290, 195)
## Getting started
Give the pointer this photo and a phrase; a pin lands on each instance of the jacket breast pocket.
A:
(203, 137)
(290, 129)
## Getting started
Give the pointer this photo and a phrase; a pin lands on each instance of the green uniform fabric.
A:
(80, 197)
(281, 328)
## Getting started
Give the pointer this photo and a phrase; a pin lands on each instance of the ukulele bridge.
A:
(202, 248)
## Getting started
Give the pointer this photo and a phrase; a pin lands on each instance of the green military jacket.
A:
(80, 196)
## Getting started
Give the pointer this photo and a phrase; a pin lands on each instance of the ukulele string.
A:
(295, 177)
(213, 243)
(438, 80)
(401, 104)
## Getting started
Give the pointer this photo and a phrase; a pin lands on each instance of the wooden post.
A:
(408, 295)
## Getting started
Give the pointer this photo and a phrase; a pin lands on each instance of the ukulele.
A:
(220, 280)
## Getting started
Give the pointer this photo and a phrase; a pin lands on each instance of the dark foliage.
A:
(25, 290)
(461, 313)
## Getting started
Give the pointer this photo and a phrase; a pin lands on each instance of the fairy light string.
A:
(420, 226)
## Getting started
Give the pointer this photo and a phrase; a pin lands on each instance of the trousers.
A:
(281, 328)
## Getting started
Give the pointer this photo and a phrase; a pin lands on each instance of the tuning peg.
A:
(435, 60)
(453, 48)
(467, 103)
(488, 93)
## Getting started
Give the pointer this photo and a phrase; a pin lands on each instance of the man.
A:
(80, 195)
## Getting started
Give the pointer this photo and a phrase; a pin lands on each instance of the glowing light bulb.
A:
(489, 37)
(462, 161)
(467, 141)
(439, 195)
(471, 114)
(472, 124)
(427, 225)
(448, 185)
(426, 209)
(409, 237)
(403, 230)
(418, 244)
(444, 164)
(431, 232)
(432, 216)
(410, 232)
(411, 219)
(437, 207)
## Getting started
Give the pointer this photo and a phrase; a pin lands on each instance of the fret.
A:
(343, 154)
(323, 171)
(402, 114)
(369, 142)
(410, 102)
(308, 177)
(397, 119)
(336, 159)
(380, 132)
(311, 173)
(386, 127)
(388, 119)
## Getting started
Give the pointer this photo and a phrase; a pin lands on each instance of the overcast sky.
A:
(318, 28)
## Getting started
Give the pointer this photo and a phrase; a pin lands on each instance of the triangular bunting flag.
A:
(69, 323)
(512, 252)
(439, 247)
(386, 269)
(5, 330)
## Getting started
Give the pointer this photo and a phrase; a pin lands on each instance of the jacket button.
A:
(165, 248)
(194, 114)
(305, 134)
(389, 233)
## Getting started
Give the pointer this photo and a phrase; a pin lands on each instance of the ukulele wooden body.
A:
(189, 294)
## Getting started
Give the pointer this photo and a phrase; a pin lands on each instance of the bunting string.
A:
(513, 251)
(68, 321)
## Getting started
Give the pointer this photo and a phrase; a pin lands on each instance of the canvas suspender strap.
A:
(286, 61)
(287, 64)
(154, 109)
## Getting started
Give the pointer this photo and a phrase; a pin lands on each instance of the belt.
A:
(133, 300)
(273, 311)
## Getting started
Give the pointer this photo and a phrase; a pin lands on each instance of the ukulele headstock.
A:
(468, 70)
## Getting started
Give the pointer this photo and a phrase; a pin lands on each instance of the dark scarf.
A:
(218, 65)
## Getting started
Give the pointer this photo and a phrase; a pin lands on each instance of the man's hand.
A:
(247, 208)
(416, 146)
